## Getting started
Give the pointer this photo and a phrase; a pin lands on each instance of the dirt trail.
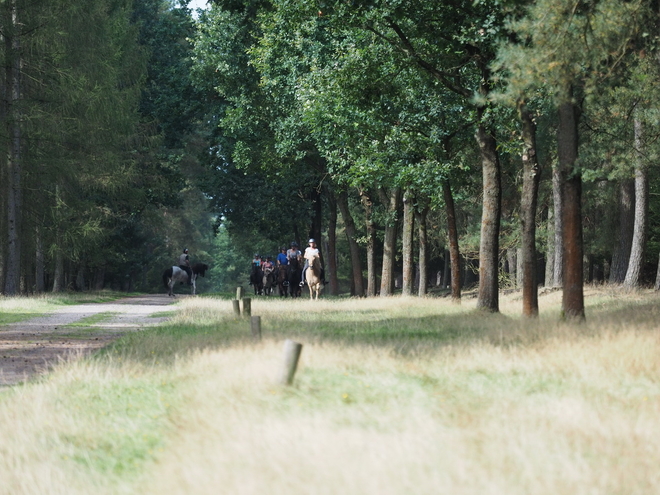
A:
(32, 346)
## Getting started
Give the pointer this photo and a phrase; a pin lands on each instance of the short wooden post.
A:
(247, 306)
(239, 293)
(255, 325)
(291, 355)
(237, 307)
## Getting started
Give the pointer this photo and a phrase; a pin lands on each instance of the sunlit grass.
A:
(392, 395)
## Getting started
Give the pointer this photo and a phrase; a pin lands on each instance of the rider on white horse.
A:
(184, 264)
(310, 252)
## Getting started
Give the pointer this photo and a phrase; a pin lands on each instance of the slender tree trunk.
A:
(332, 244)
(317, 220)
(407, 242)
(389, 244)
(490, 221)
(550, 249)
(621, 255)
(39, 270)
(13, 129)
(423, 248)
(657, 276)
(371, 242)
(573, 294)
(512, 262)
(58, 276)
(558, 204)
(636, 262)
(530, 193)
(351, 234)
(452, 234)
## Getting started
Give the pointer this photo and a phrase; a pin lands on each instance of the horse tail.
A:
(167, 274)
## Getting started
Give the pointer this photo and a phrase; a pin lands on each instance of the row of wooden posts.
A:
(292, 349)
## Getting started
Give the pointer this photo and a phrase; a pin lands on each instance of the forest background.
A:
(500, 143)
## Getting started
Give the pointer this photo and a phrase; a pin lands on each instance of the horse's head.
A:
(200, 268)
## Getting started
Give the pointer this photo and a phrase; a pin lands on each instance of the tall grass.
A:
(392, 396)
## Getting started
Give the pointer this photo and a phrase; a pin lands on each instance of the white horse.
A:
(175, 274)
(313, 276)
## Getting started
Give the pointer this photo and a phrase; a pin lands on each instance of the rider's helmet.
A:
(294, 244)
(256, 255)
(311, 240)
(269, 258)
(185, 250)
(283, 248)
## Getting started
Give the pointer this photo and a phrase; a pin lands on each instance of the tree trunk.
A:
(636, 262)
(490, 221)
(573, 294)
(39, 269)
(452, 234)
(621, 255)
(407, 242)
(657, 276)
(423, 248)
(317, 220)
(13, 129)
(332, 244)
(550, 249)
(529, 202)
(512, 262)
(389, 244)
(351, 234)
(558, 204)
(58, 276)
(371, 242)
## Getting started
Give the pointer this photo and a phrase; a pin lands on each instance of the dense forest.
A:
(486, 144)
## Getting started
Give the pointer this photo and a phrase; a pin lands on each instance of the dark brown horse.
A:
(293, 277)
(257, 280)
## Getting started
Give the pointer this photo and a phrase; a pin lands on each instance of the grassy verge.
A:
(392, 396)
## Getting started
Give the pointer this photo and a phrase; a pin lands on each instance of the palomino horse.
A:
(257, 280)
(313, 276)
(175, 274)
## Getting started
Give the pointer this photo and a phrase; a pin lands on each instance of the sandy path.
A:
(30, 347)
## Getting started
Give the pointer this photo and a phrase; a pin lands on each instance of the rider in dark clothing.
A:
(184, 264)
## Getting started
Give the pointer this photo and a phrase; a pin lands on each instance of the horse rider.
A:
(310, 252)
(256, 261)
(282, 259)
(267, 265)
(293, 252)
(184, 264)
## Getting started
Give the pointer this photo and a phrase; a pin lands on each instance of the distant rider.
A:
(267, 265)
(184, 264)
(293, 253)
(282, 259)
(310, 252)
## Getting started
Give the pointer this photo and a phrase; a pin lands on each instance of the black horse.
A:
(293, 277)
(257, 280)
(283, 279)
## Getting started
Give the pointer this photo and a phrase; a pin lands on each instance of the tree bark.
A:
(632, 280)
(58, 276)
(332, 244)
(571, 180)
(420, 216)
(39, 269)
(351, 234)
(452, 234)
(558, 204)
(317, 220)
(529, 202)
(488, 298)
(371, 242)
(621, 255)
(13, 129)
(407, 242)
(550, 249)
(657, 276)
(391, 201)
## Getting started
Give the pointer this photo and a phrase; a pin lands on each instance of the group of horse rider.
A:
(288, 256)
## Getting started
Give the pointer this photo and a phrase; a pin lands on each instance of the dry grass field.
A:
(392, 396)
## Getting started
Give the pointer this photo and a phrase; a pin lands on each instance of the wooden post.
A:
(239, 293)
(247, 306)
(237, 307)
(291, 355)
(255, 325)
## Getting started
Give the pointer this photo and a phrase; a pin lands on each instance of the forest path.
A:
(31, 347)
